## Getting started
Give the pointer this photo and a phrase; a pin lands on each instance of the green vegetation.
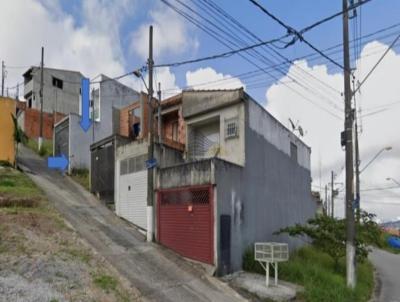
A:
(46, 150)
(320, 268)
(105, 282)
(14, 184)
(81, 176)
(329, 235)
(320, 276)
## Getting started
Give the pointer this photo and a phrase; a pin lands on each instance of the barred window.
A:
(133, 164)
(231, 128)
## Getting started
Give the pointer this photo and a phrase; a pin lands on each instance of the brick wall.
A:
(32, 123)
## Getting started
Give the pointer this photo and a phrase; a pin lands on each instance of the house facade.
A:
(73, 142)
(130, 158)
(237, 177)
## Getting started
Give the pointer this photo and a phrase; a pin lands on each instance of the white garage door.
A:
(133, 198)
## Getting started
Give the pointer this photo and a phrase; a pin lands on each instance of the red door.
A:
(185, 222)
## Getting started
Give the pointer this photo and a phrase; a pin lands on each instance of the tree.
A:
(329, 235)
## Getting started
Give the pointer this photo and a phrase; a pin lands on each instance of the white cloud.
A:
(91, 48)
(208, 78)
(323, 130)
(170, 35)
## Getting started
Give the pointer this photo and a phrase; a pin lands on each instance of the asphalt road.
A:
(388, 268)
(156, 273)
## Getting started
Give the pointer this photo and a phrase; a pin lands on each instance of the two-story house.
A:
(228, 174)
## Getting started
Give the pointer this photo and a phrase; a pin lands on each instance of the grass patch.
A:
(80, 254)
(315, 271)
(105, 282)
(14, 184)
(46, 150)
(81, 176)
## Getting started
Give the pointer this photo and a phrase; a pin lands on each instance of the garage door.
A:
(132, 203)
(185, 222)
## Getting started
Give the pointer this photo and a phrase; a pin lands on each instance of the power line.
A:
(213, 34)
(297, 34)
(376, 64)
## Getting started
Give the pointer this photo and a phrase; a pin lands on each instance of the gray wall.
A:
(64, 100)
(271, 192)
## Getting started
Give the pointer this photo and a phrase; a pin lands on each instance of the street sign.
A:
(151, 163)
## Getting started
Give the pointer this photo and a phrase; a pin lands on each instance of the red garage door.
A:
(185, 222)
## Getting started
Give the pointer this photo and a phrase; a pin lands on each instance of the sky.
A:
(111, 37)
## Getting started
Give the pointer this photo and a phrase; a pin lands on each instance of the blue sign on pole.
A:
(85, 122)
(151, 163)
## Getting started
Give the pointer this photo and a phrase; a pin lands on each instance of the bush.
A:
(329, 235)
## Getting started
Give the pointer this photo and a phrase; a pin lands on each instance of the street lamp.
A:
(394, 180)
(375, 157)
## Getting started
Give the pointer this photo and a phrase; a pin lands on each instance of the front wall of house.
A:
(231, 149)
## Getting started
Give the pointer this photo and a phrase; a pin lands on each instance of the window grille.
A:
(186, 196)
(231, 128)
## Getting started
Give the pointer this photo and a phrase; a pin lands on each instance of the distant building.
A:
(107, 99)
(61, 96)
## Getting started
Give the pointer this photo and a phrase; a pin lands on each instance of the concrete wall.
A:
(263, 123)
(63, 100)
(271, 192)
(7, 145)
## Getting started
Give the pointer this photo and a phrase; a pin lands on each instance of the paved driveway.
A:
(156, 273)
(388, 268)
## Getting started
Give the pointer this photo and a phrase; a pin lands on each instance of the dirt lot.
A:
(42, 258)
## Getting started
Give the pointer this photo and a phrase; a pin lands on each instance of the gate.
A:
(185, 222)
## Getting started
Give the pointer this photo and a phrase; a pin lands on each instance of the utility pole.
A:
(159, 114)
(326, 201)
(3, 75)
(348, 132)
(150, 170)
(332, 194)
(17, 93)
(40, 142)
(357, 154)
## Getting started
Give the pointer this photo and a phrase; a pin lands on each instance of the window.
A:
(133, 164)
(175, 126)
(57, 83)
(231, 128)
(30, 103)
(293, 151)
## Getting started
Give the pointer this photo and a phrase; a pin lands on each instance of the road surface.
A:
(387, 266)
(156, 273)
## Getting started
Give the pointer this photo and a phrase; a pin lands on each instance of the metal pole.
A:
(326, 200)
(2, 77)
(348, 128)
(40, 141)
(357, 154)
(150, 171)
(159, 114)
(332, 194)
